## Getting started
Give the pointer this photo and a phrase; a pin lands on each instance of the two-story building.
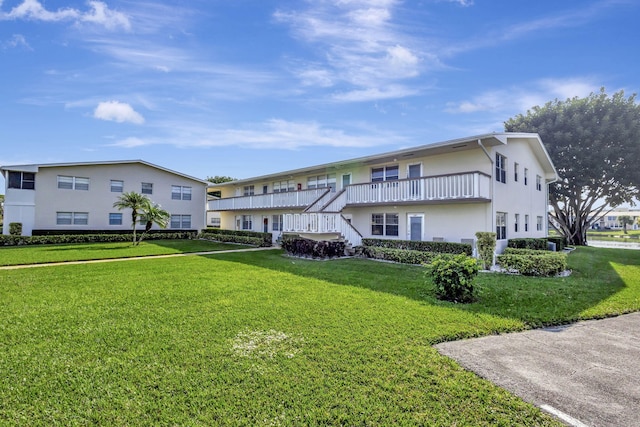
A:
(445, 191)
(80, 196)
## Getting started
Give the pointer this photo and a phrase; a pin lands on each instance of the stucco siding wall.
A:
(514, 197)
(98, 200)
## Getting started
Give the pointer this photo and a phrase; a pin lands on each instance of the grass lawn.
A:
(260, 339)
(18, 255)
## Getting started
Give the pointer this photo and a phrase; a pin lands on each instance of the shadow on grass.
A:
(594, 289)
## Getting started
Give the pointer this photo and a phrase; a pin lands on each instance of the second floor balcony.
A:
(293, 199)
(469, 186)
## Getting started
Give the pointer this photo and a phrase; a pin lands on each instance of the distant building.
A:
(80, 196)
(611, 220)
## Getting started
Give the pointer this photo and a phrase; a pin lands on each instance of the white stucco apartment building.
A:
(80, 196)
(445, 191)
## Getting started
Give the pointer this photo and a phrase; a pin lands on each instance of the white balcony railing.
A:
(293, 199)
(464, 186)
(473, 185)
(321, 223)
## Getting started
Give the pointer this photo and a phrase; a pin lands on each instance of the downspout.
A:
(491, 187)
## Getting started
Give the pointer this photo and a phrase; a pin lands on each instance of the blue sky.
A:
(245, 88)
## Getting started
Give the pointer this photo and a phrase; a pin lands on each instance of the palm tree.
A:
(153, 213)
(134, 201)
(624, 221)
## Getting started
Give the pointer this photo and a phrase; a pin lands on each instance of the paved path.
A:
(93, 261)
(587, 373)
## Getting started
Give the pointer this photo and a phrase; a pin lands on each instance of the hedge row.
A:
(528, 243)
(539, 243)
(404, 256)
(8, 240)
(267, 238)
(299, 246)
(227, 238)
(534, 264)
(436, 247)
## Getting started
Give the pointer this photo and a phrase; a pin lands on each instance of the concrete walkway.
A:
(94, 261)
(586, 374)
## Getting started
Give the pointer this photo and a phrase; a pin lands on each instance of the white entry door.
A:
(415, 226)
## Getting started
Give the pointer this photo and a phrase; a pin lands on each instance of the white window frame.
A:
(21, 180)
(539, 223)
(246, 222)
(501, 168)
(381, 220)
(146, 188)
(72, 218)
(180, 221)
(248, 190)
(501, 225)
(117, 186)
(73, 183)
(115, 218)
(180, 192)
(538, 183)
(387, 174)
(277, 222)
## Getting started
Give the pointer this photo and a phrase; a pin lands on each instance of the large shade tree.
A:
(594, 143)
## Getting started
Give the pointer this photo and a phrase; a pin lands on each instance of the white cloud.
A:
(117, 112)
(360, 45)
(102, 15)
(524, 97)
(273, 134)
(16, 40)
(99, 13)
(130, 142)
(373, 94)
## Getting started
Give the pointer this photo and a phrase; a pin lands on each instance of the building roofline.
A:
(490, 139)
(36, 166)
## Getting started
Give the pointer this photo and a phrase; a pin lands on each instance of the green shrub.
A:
(418, 245)
(560, 241)
(518, 251)
(454, 277)
(534, 264)
(267, 238)
(86, 238)
(528, 243)
(227, 238)
(299, 246)
(404, 256)
(15, 229)
(486, 247)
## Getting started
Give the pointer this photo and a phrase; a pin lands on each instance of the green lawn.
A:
(19, 255)
(261, 339)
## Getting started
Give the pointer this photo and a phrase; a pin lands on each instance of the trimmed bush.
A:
(560, 241)
(227, 238)
(486, 248)
(267, 238)
(533, 263)
(404, 256)
(15, 229)
(299, 246)
(417, 245)
(86, 238)
(454, 277)
(528, 243)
